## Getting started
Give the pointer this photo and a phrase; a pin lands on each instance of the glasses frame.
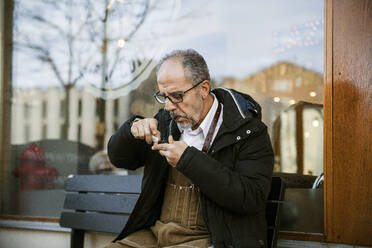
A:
(182, 93)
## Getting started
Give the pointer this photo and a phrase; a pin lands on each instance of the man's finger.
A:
(147, 132)
(160, 147)
(146, 127)
(153, 124)
(164, 153)
(136, 132)
(141, 133)
(133, 130)
(170, 139)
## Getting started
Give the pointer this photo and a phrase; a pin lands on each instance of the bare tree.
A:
(81, 41)
(67, 35)
(53, 41)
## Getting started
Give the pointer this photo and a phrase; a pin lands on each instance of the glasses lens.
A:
(176, 97)
(160, 98)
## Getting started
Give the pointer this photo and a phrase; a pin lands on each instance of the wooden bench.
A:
(103, 203)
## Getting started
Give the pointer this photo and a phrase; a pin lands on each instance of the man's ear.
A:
(205, 88)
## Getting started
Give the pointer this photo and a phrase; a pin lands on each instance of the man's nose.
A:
(169, 106)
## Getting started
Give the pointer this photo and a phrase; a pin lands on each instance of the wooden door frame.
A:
(6, 47)
(328, 112)
(347, 121)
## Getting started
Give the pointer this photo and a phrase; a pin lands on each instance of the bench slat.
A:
(104, 183)
(93, 221)
(115, 203)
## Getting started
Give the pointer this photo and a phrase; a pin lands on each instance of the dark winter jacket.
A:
(234, 177)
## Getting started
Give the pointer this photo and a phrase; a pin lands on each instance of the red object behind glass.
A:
(33, 173)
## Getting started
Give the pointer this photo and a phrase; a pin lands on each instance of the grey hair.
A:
(193, 62)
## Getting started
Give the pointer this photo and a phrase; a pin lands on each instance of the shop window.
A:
(92, 73)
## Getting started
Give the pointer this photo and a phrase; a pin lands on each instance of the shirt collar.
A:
(205, 124)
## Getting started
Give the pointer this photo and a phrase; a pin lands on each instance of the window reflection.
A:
(81, 68)
(298, 139)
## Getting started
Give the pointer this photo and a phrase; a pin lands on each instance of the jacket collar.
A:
(238, 107)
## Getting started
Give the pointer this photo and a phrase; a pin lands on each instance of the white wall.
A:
(88, 125)
(35, 115)
(19, 238)
(53, 98)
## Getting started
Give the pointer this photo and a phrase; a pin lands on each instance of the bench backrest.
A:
(100, 203)
(103, 203)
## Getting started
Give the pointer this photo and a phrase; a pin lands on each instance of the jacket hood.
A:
(238, 107)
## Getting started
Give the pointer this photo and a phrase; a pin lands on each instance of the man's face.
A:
(172, 78)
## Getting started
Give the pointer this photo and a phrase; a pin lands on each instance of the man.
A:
(207, 185)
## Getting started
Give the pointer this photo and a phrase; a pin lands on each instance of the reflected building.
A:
(280, 86)
(291, 98)
(39, 114)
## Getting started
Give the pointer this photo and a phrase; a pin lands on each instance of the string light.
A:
(308, 34)
(121, 43)
(315, 123)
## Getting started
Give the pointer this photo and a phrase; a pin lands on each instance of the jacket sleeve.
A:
(242, 189)
(124, 150)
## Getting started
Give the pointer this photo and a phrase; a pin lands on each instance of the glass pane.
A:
(81, 68)
(313, 140)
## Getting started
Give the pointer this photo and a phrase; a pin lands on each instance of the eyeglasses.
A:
(174, 97)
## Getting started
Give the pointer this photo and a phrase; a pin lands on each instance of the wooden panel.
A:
(348, 132)
(114, 203)
(29, 218)
(93, 221)
(316, 237)
(328, 116)
(104, 183)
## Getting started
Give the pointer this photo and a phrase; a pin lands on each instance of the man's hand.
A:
(144, 129)
(171, 151)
